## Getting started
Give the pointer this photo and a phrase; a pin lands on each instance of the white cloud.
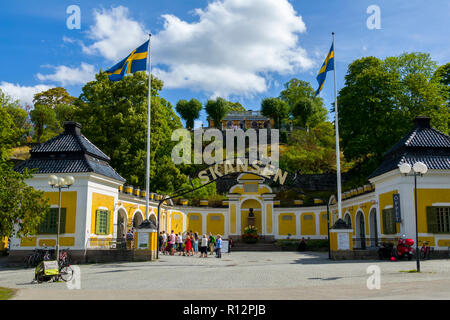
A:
(67, 39)
(232, 47)
(23, 93)
(115, 34)
(229, 50)
(70, 76)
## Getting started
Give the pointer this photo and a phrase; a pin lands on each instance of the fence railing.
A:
(110, 244)
(372, 243)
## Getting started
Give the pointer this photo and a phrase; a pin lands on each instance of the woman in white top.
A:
(204, 247)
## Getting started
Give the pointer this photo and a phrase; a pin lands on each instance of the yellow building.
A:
(98, 209)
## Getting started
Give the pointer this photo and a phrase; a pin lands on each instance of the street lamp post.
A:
(419, 169)
(60, 183)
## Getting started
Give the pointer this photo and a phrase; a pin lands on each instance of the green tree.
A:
(217, 110)
(275, 109)
(53, 97)
(45, 124)
(442, 75)
(235, 106)
(14, 125)
(189, 111)
(114, 118)
(207, 192)
(20, 204)
(64, 112)
(306, 109)
(313, 151)
(379, 101)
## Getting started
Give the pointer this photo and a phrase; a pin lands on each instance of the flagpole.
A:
(147, 182)
(338, 160)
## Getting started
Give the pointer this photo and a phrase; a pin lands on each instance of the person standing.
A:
(130, 238)
(188, 246)
(179, 243)
(164, 242)
(171, 243)
(204, 247)
(230, 244)
(219, 247)
(195, 243)
(212, 243)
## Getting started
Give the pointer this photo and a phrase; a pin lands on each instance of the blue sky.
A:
(243, 50)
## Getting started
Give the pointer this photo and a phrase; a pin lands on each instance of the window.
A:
(389, 226)
(214, 217)
(438, 219)
(348, 220)
(286, 217)
(102, 222)
(50, 222)
(307, 217)
(250, 188)
(194, 217)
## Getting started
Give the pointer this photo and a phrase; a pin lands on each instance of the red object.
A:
(188, 245)
(393, 259)
(409, 242)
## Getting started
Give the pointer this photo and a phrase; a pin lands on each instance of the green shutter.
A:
(384, 217)
(392, 222)
(43, 225)
(432, 220)
(107, 222)
(62, 222)
(97, 222)
(389, 225)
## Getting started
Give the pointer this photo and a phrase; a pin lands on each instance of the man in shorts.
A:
(171, 243)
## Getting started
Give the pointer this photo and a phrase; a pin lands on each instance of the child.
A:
(204, 247)
(219, 247)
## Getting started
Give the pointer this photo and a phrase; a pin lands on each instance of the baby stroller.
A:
(49, 270)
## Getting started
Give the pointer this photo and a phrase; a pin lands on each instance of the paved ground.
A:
(271, 275)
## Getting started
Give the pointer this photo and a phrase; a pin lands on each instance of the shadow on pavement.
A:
(311, 257)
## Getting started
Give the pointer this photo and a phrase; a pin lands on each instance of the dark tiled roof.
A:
(424, 144)
(69, 152)
(69, 142)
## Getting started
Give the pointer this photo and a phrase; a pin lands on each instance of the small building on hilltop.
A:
(244, 120)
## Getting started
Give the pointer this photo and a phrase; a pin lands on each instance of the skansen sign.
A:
(261, 168)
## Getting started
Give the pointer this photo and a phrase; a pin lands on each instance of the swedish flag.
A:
(328, 65)
(135, 61)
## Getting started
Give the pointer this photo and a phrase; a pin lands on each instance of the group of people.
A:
(170, 244)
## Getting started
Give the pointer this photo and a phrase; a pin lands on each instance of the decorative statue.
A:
(251, 218)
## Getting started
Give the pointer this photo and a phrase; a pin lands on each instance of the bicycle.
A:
(37, 256)
(425, 251)
(64, 258)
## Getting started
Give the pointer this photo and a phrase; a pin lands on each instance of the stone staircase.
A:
(261, 245)
(240, 246)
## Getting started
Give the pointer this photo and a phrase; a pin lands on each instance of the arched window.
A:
(348, 220)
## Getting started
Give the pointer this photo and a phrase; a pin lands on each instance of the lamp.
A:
(419, 169)
(60, 183)
(405, 168)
